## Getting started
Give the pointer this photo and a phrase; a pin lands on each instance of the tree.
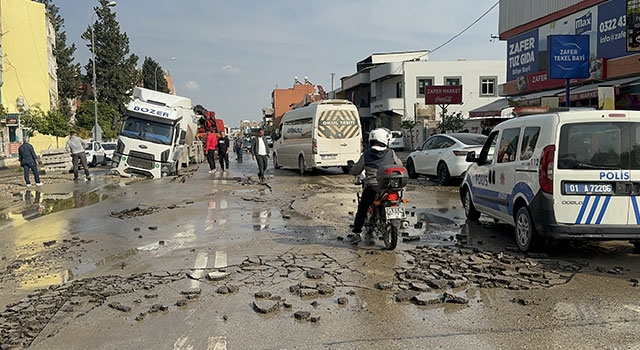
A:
(33, 119)
(115, 69)
(68, 73)
(56, 124)
(153, 76)
(85, 119)
(452, 122)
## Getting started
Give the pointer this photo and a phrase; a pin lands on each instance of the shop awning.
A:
(591, 90)
(493, 109)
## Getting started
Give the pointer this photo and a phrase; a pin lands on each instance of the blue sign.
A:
(568, 56)
(522, 55)
(612, 23)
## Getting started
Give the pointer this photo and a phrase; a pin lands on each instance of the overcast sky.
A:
(230, 55)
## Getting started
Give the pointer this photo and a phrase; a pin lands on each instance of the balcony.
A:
(360, 78)
(386, 71)
(393, 105)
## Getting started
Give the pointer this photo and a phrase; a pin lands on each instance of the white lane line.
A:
(181, 344)
(221, 259)
(217, 343)
(201, 263)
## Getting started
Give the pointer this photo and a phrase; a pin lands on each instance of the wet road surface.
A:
(216, 261)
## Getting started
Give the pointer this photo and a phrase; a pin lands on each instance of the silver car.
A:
(443, 156)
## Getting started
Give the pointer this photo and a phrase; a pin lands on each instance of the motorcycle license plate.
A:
(395, 212)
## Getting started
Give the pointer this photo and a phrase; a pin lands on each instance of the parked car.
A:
(269, 141)
(109, 148)
(443, 156)
(95, 153)
(397, 141)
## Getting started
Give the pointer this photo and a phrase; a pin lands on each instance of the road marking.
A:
(181, 344)
(633, 308)
(199, 266)
(217, 343)
(220, 260)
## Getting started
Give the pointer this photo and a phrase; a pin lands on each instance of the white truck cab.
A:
(565, 175)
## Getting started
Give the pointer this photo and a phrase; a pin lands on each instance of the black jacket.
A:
(27, 154)
(223, 144)
(372, 160)
(254, 145)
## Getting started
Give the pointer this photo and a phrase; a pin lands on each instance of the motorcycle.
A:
(386, 216)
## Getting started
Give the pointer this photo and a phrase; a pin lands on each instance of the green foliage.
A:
(68, 73)
(34, 119)
(85, 119)
(451, 122)
(153, 76)
(408, 124)
(116, 73)
(57, 124)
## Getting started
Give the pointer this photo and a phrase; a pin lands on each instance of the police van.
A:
(323, 134)
(565, 175)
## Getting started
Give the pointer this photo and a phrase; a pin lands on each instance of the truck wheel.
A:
(526, 236)
(302, 165)
(469, 210)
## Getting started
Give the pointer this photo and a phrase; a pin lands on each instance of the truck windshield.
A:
(147, 130)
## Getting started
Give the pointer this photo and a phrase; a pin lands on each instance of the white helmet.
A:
(381, 136)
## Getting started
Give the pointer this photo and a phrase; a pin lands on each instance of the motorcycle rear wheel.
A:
(390, 236)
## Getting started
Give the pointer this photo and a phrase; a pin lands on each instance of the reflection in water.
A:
(213, 215)
(261, 219)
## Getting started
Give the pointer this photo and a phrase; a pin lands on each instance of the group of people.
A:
(221, 145)
(29, 161)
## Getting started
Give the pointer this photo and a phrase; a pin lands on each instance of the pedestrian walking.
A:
(210, 148)
(260, 153)
(76, 146)
(238, 146)
(29, 161)
(223, 152)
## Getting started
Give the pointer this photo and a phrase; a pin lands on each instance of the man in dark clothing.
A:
(29, 160)
(375, 157)
(223, 152)
(260, 153)
(238, 145)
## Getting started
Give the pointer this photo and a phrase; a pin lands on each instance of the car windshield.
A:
(471, 139)
(147, 130)
(396, 134)
(109, 146)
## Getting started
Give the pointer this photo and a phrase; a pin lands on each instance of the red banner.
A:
(443, 95)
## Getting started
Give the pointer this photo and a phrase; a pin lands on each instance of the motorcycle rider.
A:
(377, 156)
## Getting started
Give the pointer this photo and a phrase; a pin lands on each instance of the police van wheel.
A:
(302, 165)
(469, 210)
(526, 236)
(411, 169)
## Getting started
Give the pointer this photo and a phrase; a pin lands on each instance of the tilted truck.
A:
(158, 136)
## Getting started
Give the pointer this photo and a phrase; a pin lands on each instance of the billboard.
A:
(633, 25)
(568, 56)
(605, 24)
(443, 94)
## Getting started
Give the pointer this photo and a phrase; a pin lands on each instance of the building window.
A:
(399, 89)
(422, 82)
(452, 81)
(488, 86)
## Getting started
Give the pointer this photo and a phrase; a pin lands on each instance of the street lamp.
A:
(97, 134)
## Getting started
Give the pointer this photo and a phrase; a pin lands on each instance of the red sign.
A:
(443, 95)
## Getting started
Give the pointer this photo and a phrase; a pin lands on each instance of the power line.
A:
(467, 28)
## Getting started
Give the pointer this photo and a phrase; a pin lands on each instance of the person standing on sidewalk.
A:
(260, 153)
(29, 160)
(210, 148)
(223, 152)
(76, 147)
